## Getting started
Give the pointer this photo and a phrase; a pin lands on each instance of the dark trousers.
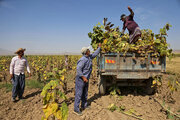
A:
(81, 94)
(18, 85)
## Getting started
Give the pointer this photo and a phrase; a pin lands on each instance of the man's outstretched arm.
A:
(93, 55)
(131, 11)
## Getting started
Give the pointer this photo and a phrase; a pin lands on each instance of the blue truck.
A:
(130, 69)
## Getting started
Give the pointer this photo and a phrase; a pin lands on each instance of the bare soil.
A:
(134, 98)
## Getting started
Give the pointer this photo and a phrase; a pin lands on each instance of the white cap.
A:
(84, 49)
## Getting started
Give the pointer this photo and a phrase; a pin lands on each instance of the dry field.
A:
(133, 103)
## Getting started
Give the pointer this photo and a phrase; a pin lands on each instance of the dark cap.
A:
(122, 16)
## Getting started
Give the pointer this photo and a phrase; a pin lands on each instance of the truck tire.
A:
(102, 85)
(149, 90)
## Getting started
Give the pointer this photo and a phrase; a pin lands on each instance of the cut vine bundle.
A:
(109, 36)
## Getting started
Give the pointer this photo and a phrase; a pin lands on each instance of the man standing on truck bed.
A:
(132, 26)
(84, 69)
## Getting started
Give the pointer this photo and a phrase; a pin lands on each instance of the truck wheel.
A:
(102, 85)
(149, 89)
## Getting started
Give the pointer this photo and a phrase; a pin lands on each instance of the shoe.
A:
(13, 99)
(87, 107)
(21, 98)
(78, 113)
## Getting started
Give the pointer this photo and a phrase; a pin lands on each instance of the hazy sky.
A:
(63, 25)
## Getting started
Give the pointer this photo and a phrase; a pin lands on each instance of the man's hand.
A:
(84, 79)
(129, 8)
(29, 77)
(11, 75)
(100, 44)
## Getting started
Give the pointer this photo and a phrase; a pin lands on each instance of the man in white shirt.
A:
(17, 66)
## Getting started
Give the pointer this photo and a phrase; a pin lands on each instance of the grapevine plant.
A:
(112, 41)
(4, 67)
(54, 105)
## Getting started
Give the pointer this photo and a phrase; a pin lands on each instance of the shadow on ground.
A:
(32, 94)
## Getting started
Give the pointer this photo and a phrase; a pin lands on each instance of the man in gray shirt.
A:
(84, 69)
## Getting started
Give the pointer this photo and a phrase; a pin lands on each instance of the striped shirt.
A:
(18, 64)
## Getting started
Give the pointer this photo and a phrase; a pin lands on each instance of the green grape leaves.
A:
(112, 42)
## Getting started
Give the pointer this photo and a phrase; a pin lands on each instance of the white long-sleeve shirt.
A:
(18, 64)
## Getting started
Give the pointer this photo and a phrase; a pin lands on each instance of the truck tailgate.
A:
(130, 66)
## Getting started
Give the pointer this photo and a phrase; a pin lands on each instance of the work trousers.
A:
(81, 94)
(18, 85)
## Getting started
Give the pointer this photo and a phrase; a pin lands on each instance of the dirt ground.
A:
(132, 98)
(145, 106)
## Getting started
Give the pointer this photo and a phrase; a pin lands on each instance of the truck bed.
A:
(130, 65)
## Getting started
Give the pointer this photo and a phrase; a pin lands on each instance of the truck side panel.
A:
(130, 66)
